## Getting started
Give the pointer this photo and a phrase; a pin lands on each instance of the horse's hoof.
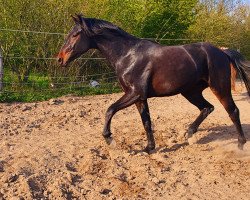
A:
(188, 135)
(190, 132)
(108, 140)
(149, 150)
(241, 146)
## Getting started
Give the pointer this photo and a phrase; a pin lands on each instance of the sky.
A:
(248, 2)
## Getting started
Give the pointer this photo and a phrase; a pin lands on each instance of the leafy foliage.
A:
(221, 22)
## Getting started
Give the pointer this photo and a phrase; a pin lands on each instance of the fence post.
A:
(1, 70)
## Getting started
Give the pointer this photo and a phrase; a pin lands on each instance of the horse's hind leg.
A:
(143, 109)
(227, 101)
(219, 82)
(195, 97)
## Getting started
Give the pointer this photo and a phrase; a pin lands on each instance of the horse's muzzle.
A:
(61, 62)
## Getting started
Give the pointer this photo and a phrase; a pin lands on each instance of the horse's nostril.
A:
(59, 60)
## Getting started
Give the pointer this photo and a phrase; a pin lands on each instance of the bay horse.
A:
(147, 69)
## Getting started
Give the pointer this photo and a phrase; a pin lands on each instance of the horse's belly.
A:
(166, 85)
(165, 89)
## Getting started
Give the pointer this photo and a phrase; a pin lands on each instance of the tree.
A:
(33, 15)
(169, 19)
(221, 22)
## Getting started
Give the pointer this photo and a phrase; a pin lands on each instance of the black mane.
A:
(101, 27)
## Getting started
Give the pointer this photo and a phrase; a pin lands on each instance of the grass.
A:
(34, 96)
(38, 88)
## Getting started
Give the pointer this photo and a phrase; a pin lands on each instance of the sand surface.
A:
(55, 150)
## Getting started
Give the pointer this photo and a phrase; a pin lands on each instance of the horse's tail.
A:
(240, 65)
(233, 77)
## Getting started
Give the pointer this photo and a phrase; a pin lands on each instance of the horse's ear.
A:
(81, 21)
(75, 19)
(78, 18)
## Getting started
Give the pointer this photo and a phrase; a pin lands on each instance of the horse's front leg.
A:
(143, 109)
(126, 100)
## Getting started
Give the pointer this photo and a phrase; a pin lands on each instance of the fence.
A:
(1, 70)
(89, 75)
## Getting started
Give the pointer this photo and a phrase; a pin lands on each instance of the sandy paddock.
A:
(54, 150)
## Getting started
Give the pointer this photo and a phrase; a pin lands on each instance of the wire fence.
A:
(32, 74)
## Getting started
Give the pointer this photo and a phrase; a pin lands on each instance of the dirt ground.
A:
(55, 150)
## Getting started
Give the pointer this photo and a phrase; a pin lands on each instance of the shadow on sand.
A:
(215, 133)
(243, 97)
(224, 133)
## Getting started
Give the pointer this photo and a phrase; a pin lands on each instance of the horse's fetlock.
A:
(242, 140)
(107, 134)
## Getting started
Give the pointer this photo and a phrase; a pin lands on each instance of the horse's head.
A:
(77, 42)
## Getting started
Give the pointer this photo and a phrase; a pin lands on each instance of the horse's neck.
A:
(116, 48)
